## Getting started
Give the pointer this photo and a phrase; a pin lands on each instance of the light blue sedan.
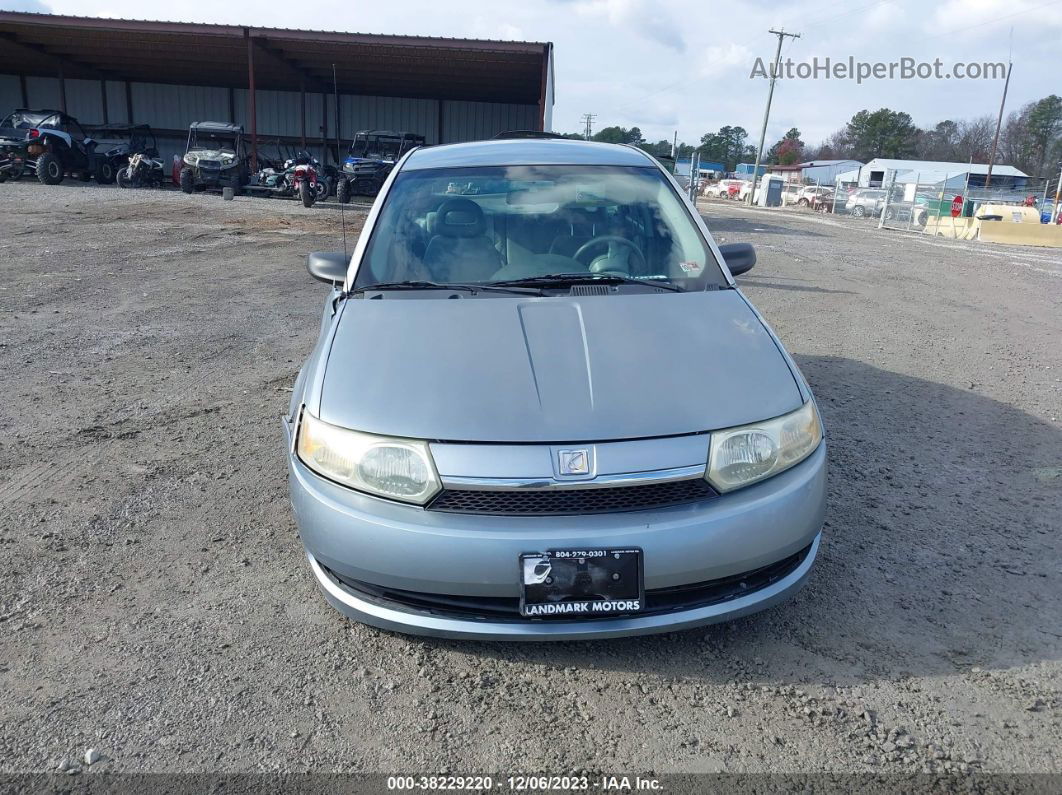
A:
(539, 408)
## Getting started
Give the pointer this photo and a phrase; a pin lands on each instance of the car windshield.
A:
(205, 140)
(491, 225)
(381, 146)
(24, 121)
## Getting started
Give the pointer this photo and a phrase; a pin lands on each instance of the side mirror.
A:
(328, 266)
(739, 257)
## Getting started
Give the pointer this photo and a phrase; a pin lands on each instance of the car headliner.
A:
(526, 152)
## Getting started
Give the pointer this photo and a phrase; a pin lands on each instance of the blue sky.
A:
(685, 64)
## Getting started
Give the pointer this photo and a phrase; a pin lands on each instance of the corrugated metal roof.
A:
(222, 29)
(883, 163)
(815, 163)
(183, 53)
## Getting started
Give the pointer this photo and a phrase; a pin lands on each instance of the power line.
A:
(830, 18)
(992, 21)
(815, 21)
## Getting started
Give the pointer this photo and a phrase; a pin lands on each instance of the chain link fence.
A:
(920, 201)
(912, 201)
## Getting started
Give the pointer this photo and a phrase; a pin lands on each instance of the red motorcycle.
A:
(304, 180)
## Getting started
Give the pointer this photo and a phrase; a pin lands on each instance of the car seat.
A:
(459, 249)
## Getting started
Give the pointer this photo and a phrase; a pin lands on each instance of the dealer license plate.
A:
(581, 583)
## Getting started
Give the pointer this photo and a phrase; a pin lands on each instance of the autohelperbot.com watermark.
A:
(905, 68)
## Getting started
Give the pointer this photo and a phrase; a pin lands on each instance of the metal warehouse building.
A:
(277, 83)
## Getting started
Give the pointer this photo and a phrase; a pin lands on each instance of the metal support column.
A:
(103, 101)
(542, 90)
(252, 115)
(302, 111)
(23, 89)
(128, 102)
(324, 129)
(62, 88)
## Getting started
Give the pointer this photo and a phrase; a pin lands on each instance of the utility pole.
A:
(674, 147)
(588, 121)
(781, 34)
(999, 123)
(1058, 196)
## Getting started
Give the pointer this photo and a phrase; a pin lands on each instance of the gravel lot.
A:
(156, 604)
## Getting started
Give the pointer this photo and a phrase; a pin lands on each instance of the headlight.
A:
(399, 469)
(744, 455)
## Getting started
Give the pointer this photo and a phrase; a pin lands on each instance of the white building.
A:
(881, 171)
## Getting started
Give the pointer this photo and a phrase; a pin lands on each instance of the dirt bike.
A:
(142, 171)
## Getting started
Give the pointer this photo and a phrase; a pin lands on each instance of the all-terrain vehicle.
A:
(372, 155)
(215, 157)
(57, 145)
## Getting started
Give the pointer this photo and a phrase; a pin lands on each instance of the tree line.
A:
(1030, 139)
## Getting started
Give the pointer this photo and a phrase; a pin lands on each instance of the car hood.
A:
(553, 369)
(210, 154)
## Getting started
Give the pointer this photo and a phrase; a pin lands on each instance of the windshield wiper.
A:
(568, 279)
(426, 285)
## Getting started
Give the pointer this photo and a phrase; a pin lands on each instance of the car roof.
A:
(526, 152)
(39, 115)
(222, 126)
(389, 133)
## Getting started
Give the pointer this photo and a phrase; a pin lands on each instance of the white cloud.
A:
(639, 18)
(716, 60)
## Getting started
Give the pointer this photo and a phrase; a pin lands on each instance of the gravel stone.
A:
(182, 320)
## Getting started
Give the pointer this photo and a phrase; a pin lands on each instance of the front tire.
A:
(858, 211)
(105, 172)
(343, 191)
(50, 168)
(124, 179)
(307, 194)
(187, 183)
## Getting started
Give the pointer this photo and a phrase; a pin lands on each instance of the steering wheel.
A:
(613, 241)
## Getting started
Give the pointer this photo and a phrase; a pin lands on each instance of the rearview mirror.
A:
(739, 257)
(327, 266)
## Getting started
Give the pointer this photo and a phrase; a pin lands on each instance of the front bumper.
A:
(402, 547)
(371, 612)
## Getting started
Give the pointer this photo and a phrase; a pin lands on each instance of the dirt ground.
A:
(156, 605)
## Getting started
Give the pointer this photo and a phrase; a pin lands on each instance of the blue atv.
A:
(372, 155)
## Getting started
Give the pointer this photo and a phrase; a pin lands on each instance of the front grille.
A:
(657, 601)
(560, 502)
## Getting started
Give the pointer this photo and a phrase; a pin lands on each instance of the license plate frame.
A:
(578, 584)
